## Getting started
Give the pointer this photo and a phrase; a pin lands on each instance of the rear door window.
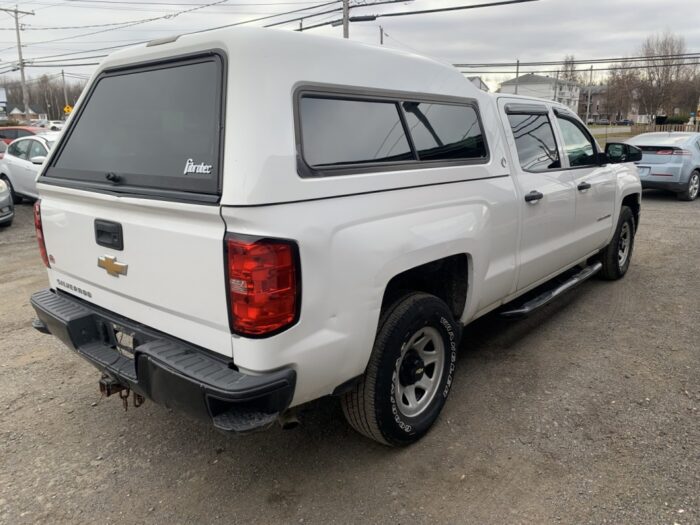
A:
(534, 140)
(154, 127)
(37, 149)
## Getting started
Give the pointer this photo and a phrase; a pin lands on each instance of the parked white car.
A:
(55, 125)
(324, 221)
(21, 163)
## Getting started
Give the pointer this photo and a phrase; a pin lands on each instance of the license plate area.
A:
(124, 340)
(644, 171)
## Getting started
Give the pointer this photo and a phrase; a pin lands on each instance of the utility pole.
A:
(25, 95)
(65, 93)
(556, 85)
(588, 105)
(381, 36)
(517, 74)
(346, 18)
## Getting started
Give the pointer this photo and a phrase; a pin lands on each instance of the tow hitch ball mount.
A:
(109, 386)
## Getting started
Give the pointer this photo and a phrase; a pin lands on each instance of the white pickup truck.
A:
(272, 217)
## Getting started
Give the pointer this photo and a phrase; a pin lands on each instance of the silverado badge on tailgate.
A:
(113, 267)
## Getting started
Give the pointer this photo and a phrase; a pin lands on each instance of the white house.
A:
(567, 92)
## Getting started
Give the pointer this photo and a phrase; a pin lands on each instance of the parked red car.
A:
(10, 133)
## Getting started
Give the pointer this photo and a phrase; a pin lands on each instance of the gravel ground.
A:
(587, 412)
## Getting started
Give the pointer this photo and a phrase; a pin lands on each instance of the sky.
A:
(534, 31)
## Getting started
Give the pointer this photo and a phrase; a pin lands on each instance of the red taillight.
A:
(681, 152)
(263, 284)
(40, 233)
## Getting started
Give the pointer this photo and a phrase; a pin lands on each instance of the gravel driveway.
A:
(587, 412)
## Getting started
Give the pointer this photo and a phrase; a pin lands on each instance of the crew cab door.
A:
(546, 191)
(595, 184)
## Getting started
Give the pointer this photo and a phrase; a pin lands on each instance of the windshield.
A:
(148, 128)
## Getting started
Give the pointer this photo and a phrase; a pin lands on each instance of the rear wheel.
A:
(617, 255)
(409, 374)
(693, 188)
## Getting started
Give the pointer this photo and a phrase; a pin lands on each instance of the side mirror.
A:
(619, 152)
(37, 160)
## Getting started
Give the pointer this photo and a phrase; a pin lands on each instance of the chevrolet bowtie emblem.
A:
(113, 267)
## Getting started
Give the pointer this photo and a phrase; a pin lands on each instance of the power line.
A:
(186, 3)
(653, 66)
(371, 18)
(578, 62)
(273, 15)
(130, 24)
(454, 8)
(336, 10)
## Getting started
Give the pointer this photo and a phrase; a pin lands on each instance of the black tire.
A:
(6, 224)
(371, 407)
(691, 191)
(613, 269)
(16, 199)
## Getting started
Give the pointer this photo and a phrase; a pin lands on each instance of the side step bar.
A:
(549, 295)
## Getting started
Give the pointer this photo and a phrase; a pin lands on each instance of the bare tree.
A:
(622, 88)
(661, 71)
(569, 69)
(45, 94)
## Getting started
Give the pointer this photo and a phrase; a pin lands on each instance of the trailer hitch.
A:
(110, 386)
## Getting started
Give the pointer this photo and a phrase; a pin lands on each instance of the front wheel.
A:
(693, 188)
(409, 374)
(617, 255)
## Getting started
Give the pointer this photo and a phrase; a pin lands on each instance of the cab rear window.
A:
(155, 127)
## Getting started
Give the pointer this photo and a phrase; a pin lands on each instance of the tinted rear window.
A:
(153, 128)
(336, 132)
(659, 139)
(341, 134)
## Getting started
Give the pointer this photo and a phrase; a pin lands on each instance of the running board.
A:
(544, 298)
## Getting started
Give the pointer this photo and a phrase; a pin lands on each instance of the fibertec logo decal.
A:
(191, 167)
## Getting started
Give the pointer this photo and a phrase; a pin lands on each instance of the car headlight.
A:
(3, 187)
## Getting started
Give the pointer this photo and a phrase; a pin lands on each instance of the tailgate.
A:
(174, 276)
(141, 160)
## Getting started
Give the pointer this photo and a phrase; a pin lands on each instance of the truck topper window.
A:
(342, 133)
(444, 131)
(148, 128)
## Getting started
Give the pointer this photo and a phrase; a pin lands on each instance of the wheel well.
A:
(632, 201)
(446, 278)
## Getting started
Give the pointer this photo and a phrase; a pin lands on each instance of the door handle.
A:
(109, 234)
(534, 196)
(584, 186)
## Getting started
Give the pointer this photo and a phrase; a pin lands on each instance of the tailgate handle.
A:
(109, 234)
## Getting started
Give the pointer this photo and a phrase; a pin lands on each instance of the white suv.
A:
(274, 217)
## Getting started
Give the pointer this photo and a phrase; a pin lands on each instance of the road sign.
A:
(67, 109)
